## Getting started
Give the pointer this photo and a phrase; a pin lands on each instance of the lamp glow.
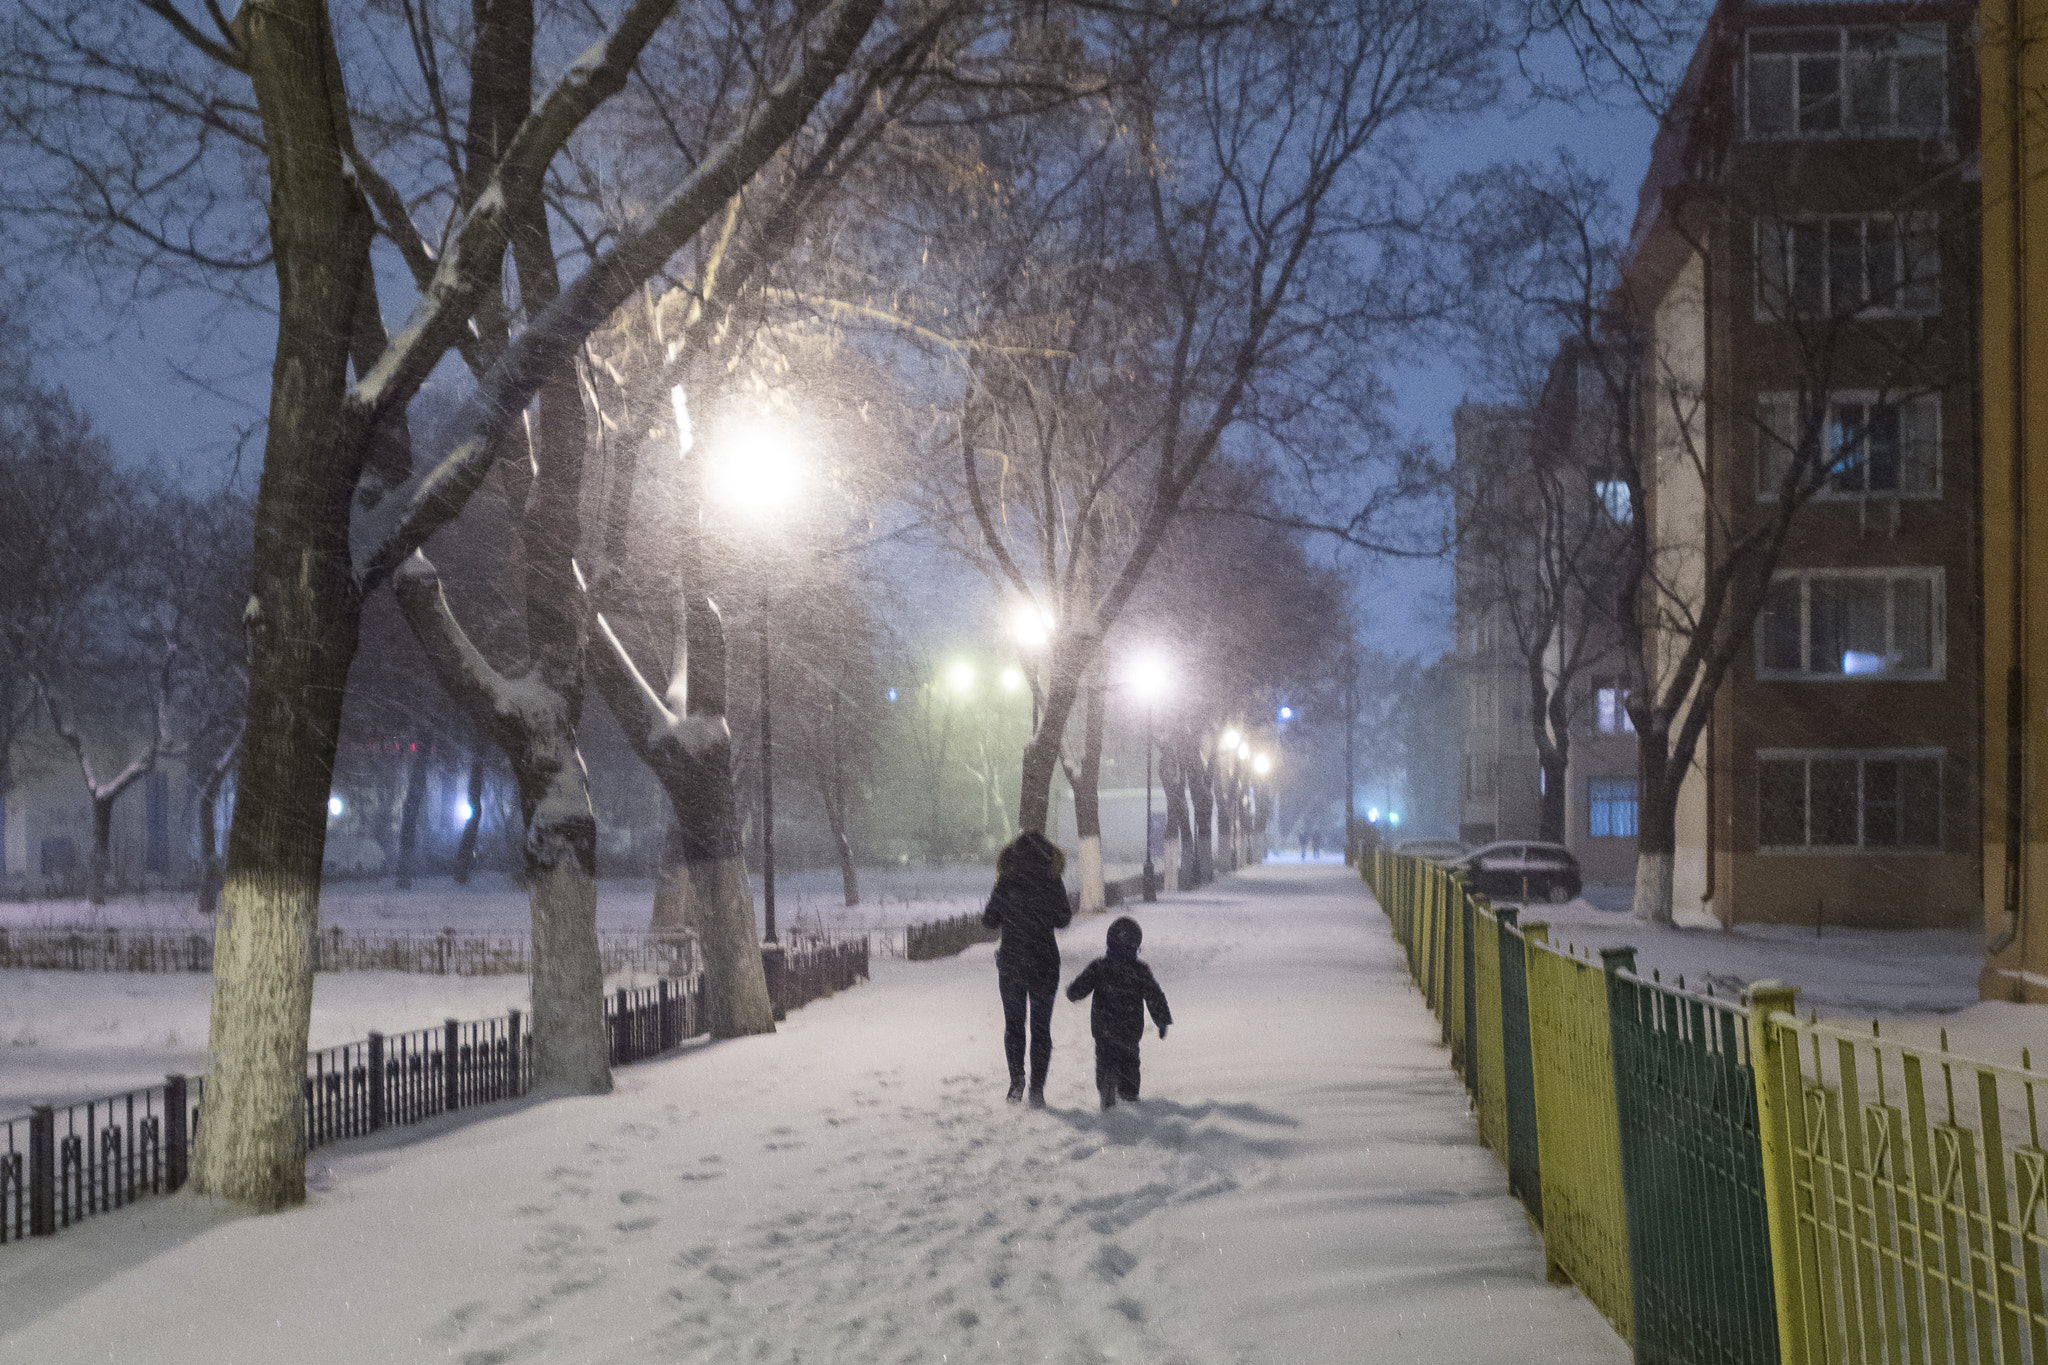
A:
(463, 810)
(1149, 677)
(961, 676)
(335, 806)
(1012, 679)
(1231, 739)
(756, 469)
(1372, 816)
(1262, 765)
(1286, 713)
(1393, 817)
(1030, 626)
(1244, 751)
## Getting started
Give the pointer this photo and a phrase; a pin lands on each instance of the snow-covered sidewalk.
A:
(1302, 1183)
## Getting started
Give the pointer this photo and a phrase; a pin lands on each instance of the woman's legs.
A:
(1015, 997)
(1041, 1034)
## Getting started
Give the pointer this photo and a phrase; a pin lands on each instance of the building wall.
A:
(2015, 567)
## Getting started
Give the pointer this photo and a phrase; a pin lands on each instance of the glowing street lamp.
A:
(961, 677)
(1011, 678)
(1030, 626)
(1231, 739)
(1262, 764)
(757, 472)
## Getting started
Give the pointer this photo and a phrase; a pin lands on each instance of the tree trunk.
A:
(1656, 826)
(1175, 785)
(302, 621)
(99, 869)
(534, 724)
(409, 813)
(1072, 656)
(1086, 783)
(209, 839)
(671, 885)
(1202, 792)
(691, 756)
(465, 850)
(1550, 820)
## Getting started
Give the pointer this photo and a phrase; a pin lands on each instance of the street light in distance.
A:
(961, 676)
(1150, 679)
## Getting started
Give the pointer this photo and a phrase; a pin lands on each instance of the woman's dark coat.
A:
(1029, 902)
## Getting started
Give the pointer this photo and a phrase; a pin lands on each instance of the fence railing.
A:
(945, 937)
(60, 1164)
(1625, 1112)
(1729, 1183)
(333, 950)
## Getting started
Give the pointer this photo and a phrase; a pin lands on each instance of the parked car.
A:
(1432, 850)
(1513, 870)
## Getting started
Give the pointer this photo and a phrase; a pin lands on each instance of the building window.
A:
(1852, 623)
(1882, 265)
(1611, 808)
(1859, 82)
(1613, 497)
(1877, 800)
(1875, 448)
(1610, 707)
(1480, 774)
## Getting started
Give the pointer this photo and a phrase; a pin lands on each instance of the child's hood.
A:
(1124, 938)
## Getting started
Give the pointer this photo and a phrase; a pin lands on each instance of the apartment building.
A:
(1804, 267)
(1503, 781)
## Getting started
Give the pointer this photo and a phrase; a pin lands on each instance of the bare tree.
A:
(339, 509)
(1210, 288)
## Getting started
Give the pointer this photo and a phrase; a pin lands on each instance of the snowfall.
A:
(1302, 1181)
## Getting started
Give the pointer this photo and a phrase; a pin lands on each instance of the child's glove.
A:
(1162, 1030)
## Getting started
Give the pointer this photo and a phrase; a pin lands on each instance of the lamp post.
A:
(756, 471)
(1148, 680)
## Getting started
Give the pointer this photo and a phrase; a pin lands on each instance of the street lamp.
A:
(961, 676)
(1148, 678)
(756, 471)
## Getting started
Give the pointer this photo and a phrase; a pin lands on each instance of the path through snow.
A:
(1300, 1184)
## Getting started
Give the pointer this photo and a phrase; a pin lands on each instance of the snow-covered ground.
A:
(1302, 1183)
(68, 1036)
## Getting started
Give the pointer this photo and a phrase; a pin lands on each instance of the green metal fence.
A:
(1692, 1175)
(1624, 1111)
(1518, 1078)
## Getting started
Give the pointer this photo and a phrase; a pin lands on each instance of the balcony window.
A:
(1610, 707)
(1875, 800)
(1875, 448)
(1847, 624)
(1611, 808)
(1845, 266)
(1855, 82)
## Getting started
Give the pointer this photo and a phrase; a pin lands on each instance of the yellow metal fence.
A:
(1905, 1189)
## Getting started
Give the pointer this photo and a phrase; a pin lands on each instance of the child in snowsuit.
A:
(1124, 988)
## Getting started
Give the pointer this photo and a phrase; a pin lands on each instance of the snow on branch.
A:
(433, 498)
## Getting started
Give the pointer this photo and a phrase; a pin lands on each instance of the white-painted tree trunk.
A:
(722, 904)
(1172, 869)
(1088, 867)
(1653, 888)
(250, 1147)
(571, 1055)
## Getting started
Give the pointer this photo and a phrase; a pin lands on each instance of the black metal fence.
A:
(60, 1164)
(334, 950)
(945, 937)
(65, 1163)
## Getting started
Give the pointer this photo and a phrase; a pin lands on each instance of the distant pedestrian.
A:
(1304, 845)
(1029, 902)
(1124, 988)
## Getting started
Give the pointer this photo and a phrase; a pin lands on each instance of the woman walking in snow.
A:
(1029, 902)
